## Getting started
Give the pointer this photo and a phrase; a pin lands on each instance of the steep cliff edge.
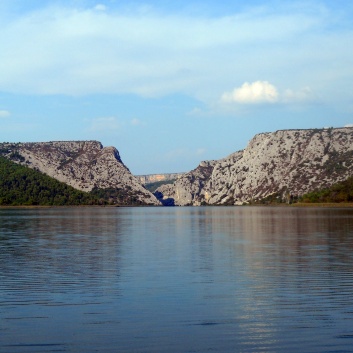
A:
(286, 161)
(85, 165)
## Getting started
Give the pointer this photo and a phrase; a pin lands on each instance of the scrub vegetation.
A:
(337, 193)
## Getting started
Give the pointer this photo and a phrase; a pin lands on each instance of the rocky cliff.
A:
(85, 165)
(152, 178)
(287, 161)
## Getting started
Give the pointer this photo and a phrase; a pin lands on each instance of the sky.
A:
(172, 83)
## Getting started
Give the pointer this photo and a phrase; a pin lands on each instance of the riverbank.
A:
(324, 204)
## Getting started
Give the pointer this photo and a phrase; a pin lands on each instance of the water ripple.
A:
(210, 279)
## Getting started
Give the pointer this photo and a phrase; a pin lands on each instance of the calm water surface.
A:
(213, 279)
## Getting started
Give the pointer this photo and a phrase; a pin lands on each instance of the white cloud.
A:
(303, 95)
(256, 92)
(265, 92)
(348, 125)
(105, 124)
(4, 114)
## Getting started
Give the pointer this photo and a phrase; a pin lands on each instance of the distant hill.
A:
(166, 178)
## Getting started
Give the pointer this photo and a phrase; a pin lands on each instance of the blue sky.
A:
(171, 83)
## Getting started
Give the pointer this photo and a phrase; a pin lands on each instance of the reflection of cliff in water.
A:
(261, 262)
(269, 239)
(294, 232)
(176, 279)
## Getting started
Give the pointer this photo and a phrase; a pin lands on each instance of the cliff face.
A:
(287, 161)
(85, 165)
(152, 178)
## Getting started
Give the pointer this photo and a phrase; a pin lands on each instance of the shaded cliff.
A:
(84, 165)
(291, 162)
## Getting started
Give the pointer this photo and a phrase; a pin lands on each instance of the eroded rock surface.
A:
(85, 165)
(287, 161)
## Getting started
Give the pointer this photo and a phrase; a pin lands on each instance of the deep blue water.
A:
(208, 279)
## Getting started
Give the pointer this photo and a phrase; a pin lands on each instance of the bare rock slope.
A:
(85, 165)
(287, 161)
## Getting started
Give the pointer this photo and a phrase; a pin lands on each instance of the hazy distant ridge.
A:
(152, 178)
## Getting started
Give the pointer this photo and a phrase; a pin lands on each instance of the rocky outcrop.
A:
(287, 161)
(85, 165)
(188, 189)
(153, 178)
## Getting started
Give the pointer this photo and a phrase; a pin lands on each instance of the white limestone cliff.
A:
(291, 161)
(84, 165)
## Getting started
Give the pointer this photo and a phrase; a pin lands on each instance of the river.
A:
(179, 279)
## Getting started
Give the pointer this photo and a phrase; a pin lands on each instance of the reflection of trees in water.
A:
(61, 249)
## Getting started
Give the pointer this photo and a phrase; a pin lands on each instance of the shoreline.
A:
(57, 206)
(299, 204)
(324, 204)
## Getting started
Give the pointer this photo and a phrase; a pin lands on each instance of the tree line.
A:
(20, 185)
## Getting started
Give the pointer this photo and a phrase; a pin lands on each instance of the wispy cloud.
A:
(100, 7)
(4, 114)
(304, 94)
(105, 124)
(186, 153)
(73, 51)
(200, 151)
(137, 122)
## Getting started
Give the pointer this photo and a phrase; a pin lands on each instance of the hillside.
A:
(23, 186)
(84, 165)
(287, 162)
